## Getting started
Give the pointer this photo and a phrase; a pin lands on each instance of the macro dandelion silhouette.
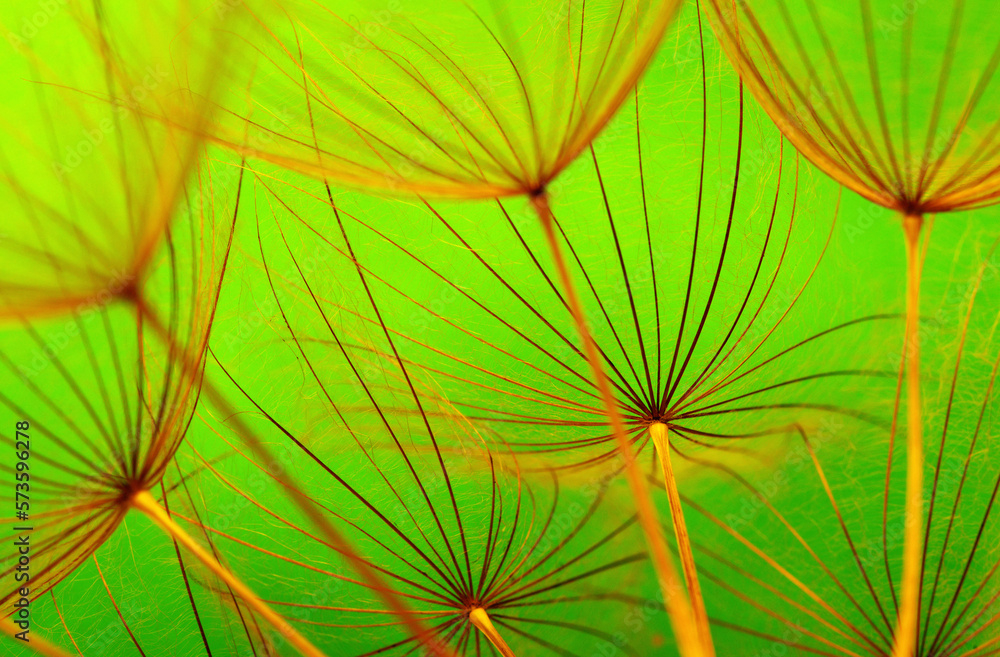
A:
(407, 323)
(685, 358)
(443, 131)
(898, 107)
(96, 250)
(822, 580)
(481, 552)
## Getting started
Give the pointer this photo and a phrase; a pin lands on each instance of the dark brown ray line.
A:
(847, 536)
(649, 246)
(565, 402)
(506, 568)
(465, 638)
(639, 438)
(576, 627)
(873, 76)
(845, 88)
(77, 391)
(416, 399)
(773, 613)
(726, 446)
(63, 445)
(648, 392)
(718, 271)
(750, 287)
(55, 542)
(98, 378)
(784, 572)
(612, 596)
(806, 546)
(530, 307)
(388, 523)
(187, 584)
(958, 494)
(622, 383)
(451, 578)
(777, 640)
(531, 254)
(697, 221)
(218, 557)
(446, 320)
(528, 591)
(413, 392)
(508, 592)
(941, 448)
(856, 155)
(341, 481)
(504, 572)
(117, 609)
(438, 599)
(494, 524)
(926, 177)
(443, 599)
(797, 380)
(729, 380)
(479, 304)
(531, 637)
(958, 641)
(798, 294)
(166, 387)
(123, 390)
(832, 408)
(434, 630)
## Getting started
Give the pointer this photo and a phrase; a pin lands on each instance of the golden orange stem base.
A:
(905, 636)
(37, 643)
(659, 432)
(675, 601)
(147, 504)
(481, 620)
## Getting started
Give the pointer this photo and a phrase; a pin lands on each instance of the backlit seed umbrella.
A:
(815, 567)
(897, 101)
(104, 393)
(700, 329)
(479, 550)
(455, 99)
(88, 183)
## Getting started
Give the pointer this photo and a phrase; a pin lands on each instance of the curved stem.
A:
(661, 440)
(192, 368)
(36, 643)
(479, 618)
(906, 628)
(145, 502)
(676, 603)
